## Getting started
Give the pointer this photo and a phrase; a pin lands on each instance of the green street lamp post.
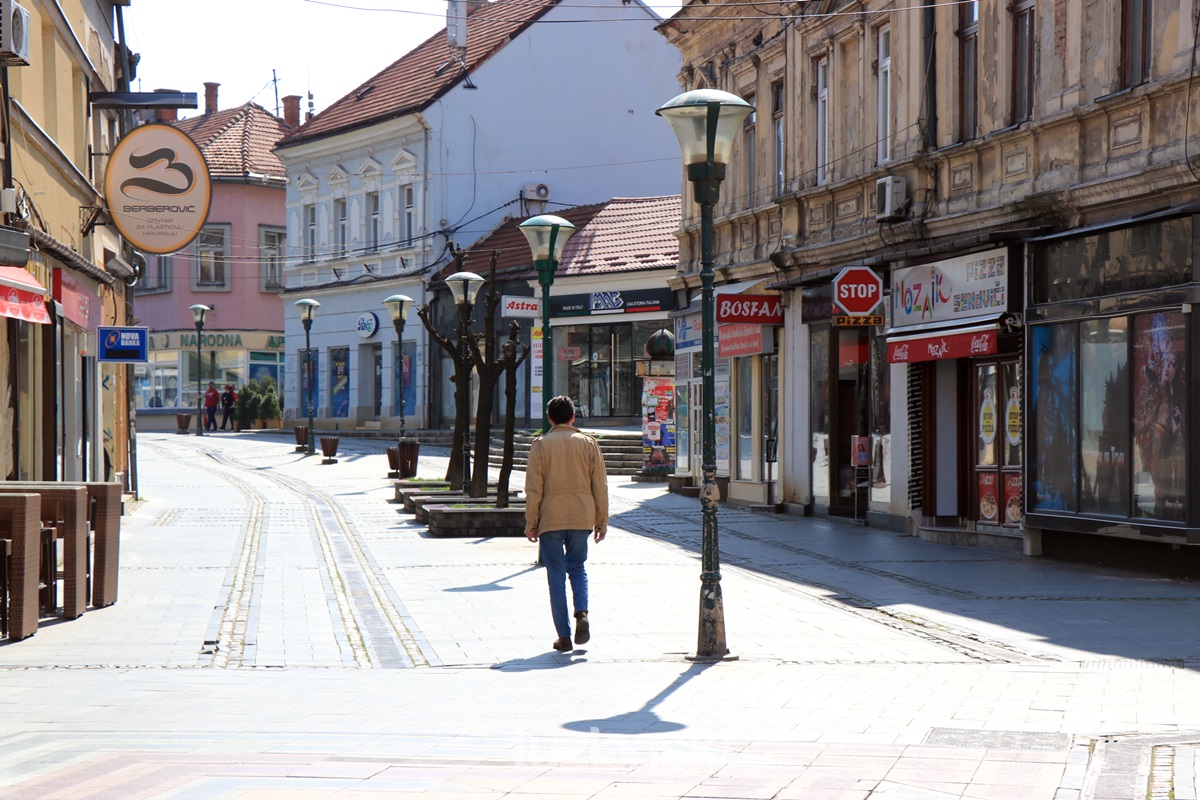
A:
(398, 305)
(308, 310)
(198, 312)
(463, 287)
(706, 122)
(547, 235)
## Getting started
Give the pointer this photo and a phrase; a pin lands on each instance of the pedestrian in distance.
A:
(228, 405)
(566, 501)
(212, 399)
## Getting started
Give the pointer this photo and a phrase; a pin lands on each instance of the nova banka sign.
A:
(158, 188)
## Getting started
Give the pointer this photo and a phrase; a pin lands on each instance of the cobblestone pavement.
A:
(283, 630)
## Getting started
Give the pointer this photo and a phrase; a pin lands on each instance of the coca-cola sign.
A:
(936, 346)
(754, 309)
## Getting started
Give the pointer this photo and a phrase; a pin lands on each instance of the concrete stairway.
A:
(622, 450)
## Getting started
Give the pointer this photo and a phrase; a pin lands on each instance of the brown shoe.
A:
(582, 631)
(562, 644)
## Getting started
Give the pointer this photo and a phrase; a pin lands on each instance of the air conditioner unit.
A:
(890, 197)
(14, 34)
(536, 191)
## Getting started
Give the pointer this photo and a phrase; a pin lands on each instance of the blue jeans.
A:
(563, 553)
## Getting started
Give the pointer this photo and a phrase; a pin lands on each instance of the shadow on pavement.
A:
(493, 586)
(644, 720)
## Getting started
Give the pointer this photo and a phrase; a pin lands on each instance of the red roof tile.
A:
(238, 142)
(624, 234)
(425, 73)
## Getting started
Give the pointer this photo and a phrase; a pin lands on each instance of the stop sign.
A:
(857, 290)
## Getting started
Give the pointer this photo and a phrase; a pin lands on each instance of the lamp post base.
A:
(710, 641)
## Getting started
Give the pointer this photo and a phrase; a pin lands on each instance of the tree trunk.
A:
(511, 361)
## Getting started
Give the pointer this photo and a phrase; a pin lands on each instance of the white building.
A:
(536, 104)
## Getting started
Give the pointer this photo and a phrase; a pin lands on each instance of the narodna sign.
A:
(158, 188)
(857, 290)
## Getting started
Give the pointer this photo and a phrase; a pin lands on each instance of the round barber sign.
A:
(857, 290)
(158, 188)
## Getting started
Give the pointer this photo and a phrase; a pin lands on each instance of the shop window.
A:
(820, 413)
(997, 424)
(1104, 416)
(1159, 413)
(1134, 259)
(1130, 386)
(339, 381)
(403, 376)
(1053, 395)
(744, 414)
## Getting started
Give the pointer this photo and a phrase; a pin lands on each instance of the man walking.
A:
(566, 500)
(212, 399)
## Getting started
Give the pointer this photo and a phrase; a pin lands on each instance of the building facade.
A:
(234, 266)
(1019, 176)
(64, 415)
(439, 149)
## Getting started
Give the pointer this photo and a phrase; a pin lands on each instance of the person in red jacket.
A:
(212, 399)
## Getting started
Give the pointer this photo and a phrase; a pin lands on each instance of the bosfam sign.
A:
(158, 188)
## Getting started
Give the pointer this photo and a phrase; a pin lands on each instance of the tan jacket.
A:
(566, 486)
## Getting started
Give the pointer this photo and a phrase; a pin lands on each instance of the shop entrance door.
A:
(377, 381)
(849, 485)
(996, 488)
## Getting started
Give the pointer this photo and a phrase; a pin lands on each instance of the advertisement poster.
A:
(1053, 393)
(658, 425)
(404, 377)
(989, 496)
(536, 373)
(1012, 498)
(1159, 401)
(721, 420)
(339, 382)
(860, 451)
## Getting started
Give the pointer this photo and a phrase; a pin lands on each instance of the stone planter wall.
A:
(446, 521)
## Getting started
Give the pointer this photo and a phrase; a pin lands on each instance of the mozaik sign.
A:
(953, 289)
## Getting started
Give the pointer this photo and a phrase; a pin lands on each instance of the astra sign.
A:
(516, 306)
(754, 309)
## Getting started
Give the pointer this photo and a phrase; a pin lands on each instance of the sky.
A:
(327, 47)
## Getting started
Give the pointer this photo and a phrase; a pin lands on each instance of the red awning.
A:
(22, 297)
(955, 343)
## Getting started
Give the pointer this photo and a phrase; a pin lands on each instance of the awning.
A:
(981, 340)
(22, 297)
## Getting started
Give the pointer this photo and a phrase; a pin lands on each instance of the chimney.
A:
(167, 115)
(210, 97)
(291, 110)
(475, 5)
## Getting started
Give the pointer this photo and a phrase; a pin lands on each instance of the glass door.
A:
(998, 422)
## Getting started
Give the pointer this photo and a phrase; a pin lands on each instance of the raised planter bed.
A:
(445, 520)
(421, 504)
(415, 485)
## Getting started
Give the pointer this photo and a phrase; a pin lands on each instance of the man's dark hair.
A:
(560, 409)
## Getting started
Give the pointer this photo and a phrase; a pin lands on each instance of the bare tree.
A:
(461, 378)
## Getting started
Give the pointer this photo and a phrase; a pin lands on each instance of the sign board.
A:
(756, 309)
(158, 188)
(954, 289)
(516, 306)
(846, 321)
(124, 345)
(616, 301)
(933, 347)
(857, 290)
(366, 325)
(738, 339)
